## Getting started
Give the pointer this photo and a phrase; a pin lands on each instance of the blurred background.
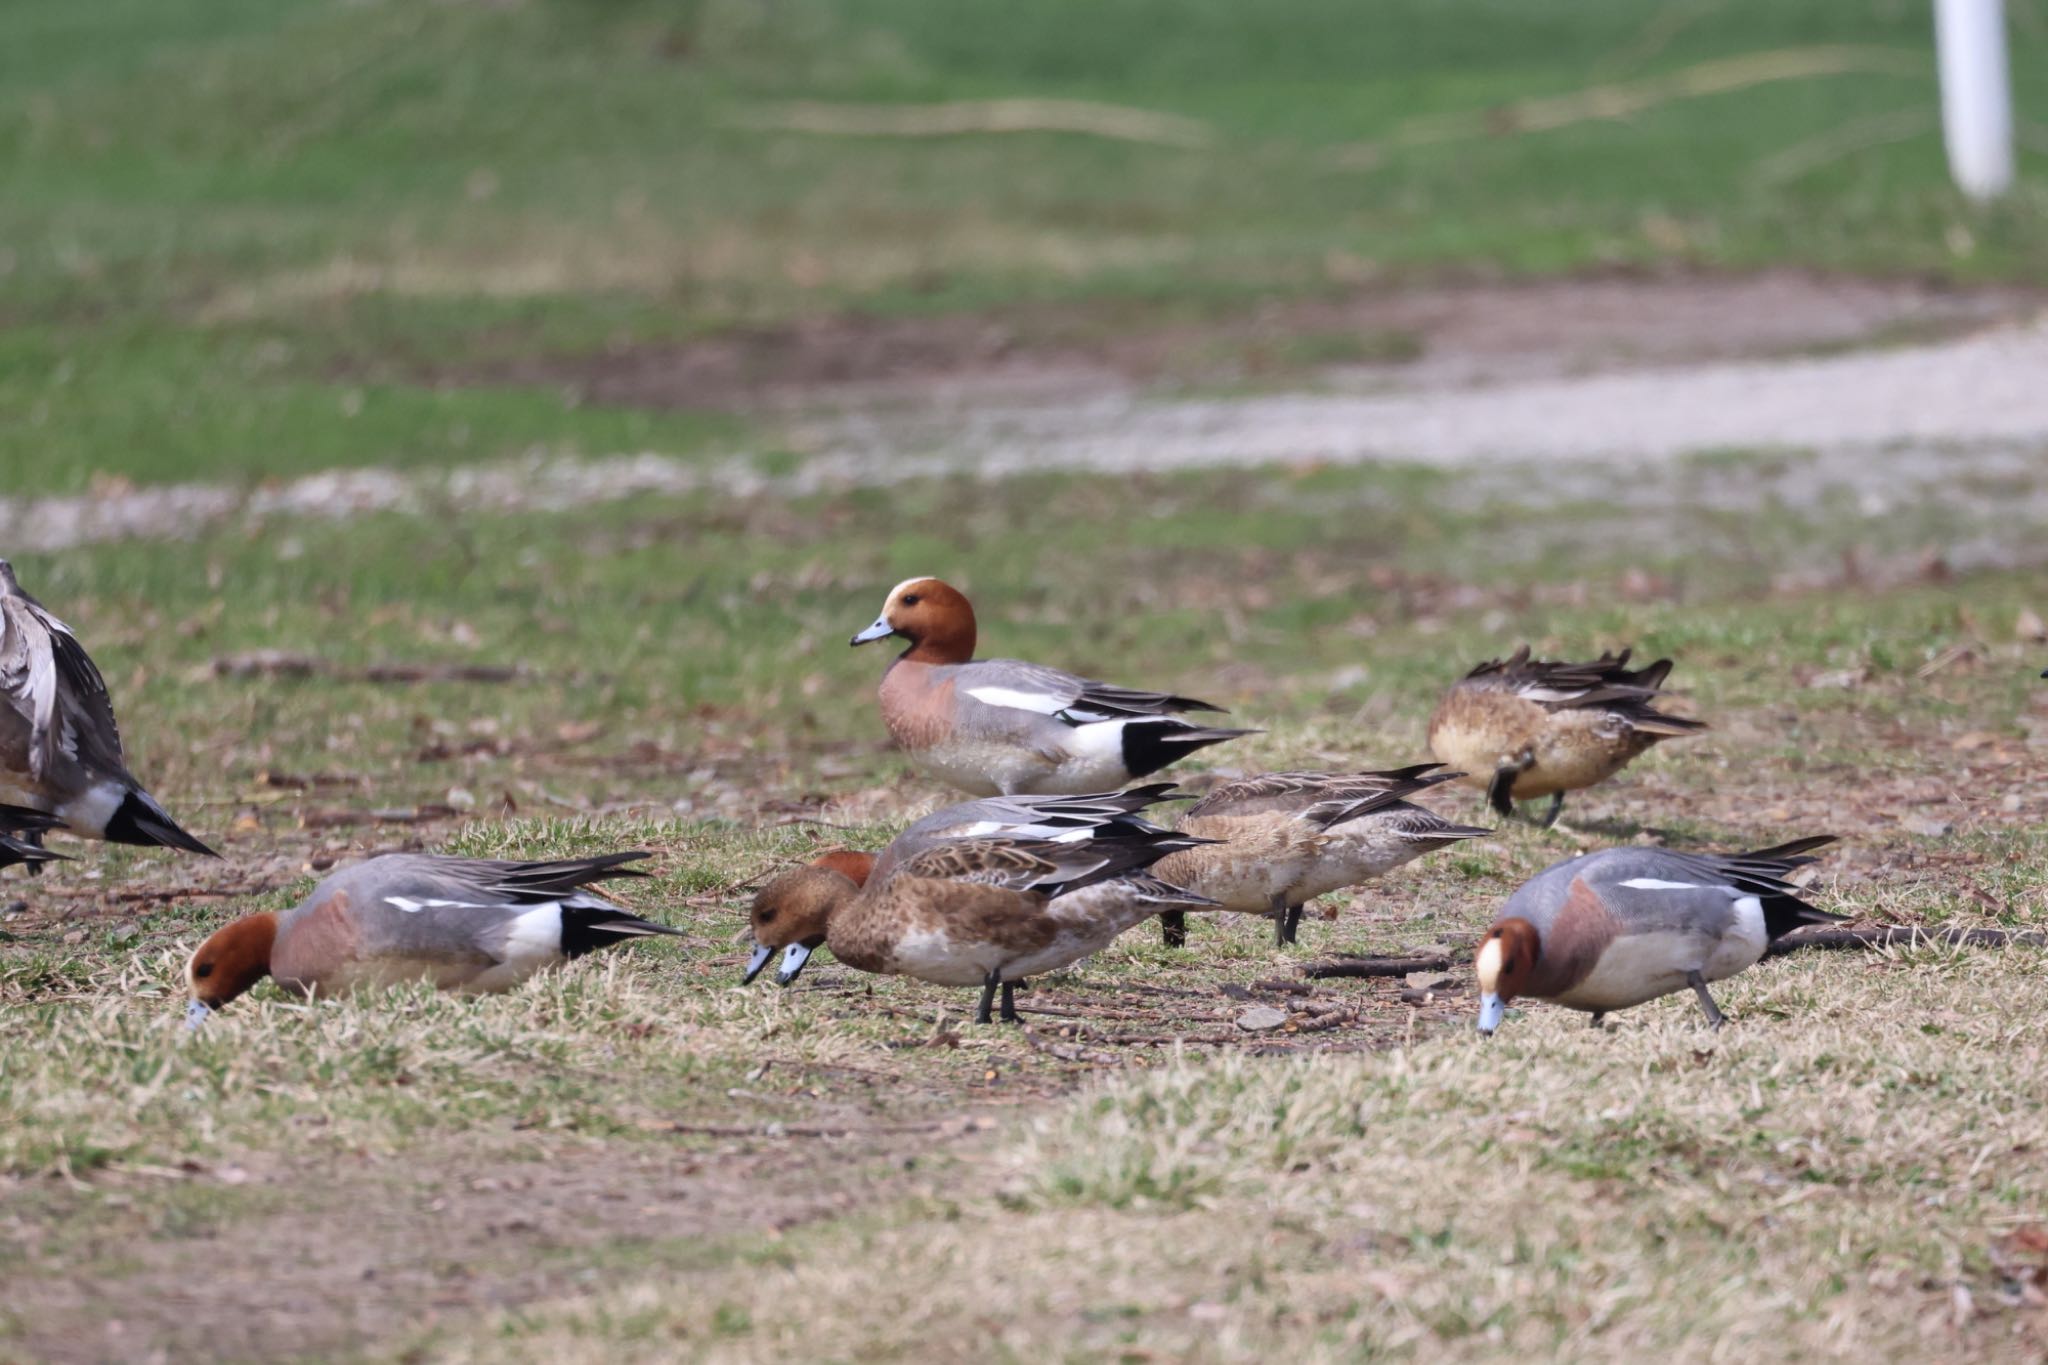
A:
(258, 238)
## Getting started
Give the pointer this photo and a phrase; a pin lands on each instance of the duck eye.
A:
(202, 971)
(768, 917)
(910, 599)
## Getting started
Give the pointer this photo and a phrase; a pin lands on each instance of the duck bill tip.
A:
(1492, 1009)
(756, 962)
(880, 630)
(793, 959)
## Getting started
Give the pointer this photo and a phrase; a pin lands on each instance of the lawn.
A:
(243, 240)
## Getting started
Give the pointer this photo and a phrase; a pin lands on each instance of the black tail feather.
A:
(27, 820)
(14, 851)
(586, 928)
(1151, 745)
(140, 820)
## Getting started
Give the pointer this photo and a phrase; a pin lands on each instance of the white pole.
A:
(1976, 95)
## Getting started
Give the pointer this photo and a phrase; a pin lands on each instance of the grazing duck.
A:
(1607, 930)
(1524, 727)
(971, 912)
(999, 727)
(465, 924)
(60, 751)
(1283, 839)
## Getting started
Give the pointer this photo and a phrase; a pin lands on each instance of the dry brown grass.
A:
(1841, 1172)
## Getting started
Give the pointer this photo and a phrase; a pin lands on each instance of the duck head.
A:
(233, 958)
(934, 616)
(793, 912)
(1505, 962)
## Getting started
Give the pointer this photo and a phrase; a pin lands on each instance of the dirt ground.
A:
(1476, 331)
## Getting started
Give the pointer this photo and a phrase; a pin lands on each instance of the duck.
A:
(1002, 727)
(1062, 819)
(471, 925)
(1280, 840)
(20, 838)
(1603, 931)
(60, 749)
(1523, 727)
(989, 912)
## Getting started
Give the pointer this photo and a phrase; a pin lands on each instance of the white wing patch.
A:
(1040, 702)
(1652, 884)
(413, 907)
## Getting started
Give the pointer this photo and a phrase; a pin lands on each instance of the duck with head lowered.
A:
(1003, 727)
(988, 912)
(1604, 931)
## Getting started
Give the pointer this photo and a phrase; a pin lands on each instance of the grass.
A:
(1847, 1177)
(1380, 1185)
(245, 241)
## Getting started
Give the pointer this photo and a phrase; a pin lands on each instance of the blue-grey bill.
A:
(757, 962)
(880, 630)
(1492, 1009)
(793, 959)
(196, 1014)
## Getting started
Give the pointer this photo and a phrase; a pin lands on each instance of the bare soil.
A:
(1417, 335)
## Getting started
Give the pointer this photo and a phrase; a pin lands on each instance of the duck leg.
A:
(1173, 928)
(988, 999)
(1500, 792)
(1597, 1016)
(1707, 1006)
(1556, 809)
(1009, 1012)
(1290, 925)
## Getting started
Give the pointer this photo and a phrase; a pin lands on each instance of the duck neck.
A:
(949, 640)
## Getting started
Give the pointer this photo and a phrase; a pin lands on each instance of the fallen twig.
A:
(1906, 935)
(1378, 966)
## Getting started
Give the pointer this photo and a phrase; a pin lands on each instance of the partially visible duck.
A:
(1607, 930)
(465, 924)
(21, 841)
(60, 750)
(1523, 727)
(1283, 839)
(1002, 727)
(1062, 819)
(971, 912)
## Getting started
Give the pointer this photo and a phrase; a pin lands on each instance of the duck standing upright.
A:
(464, 924)
(1523, 727)
(60, 749)
(1282, 839)
(1604, 931)
(970, 912)
(1002, 727)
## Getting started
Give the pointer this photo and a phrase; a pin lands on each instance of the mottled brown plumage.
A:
(1524, 728)
(972, 912)
(1282, 839)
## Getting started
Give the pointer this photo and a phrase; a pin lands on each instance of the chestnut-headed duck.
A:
(1603, 931)
(465, 924)
(1000, 727)
(60, 750)
(1523, 727)
(971, 912)
(1283, 839)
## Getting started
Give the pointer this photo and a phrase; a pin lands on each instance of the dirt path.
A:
(1594, 374)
